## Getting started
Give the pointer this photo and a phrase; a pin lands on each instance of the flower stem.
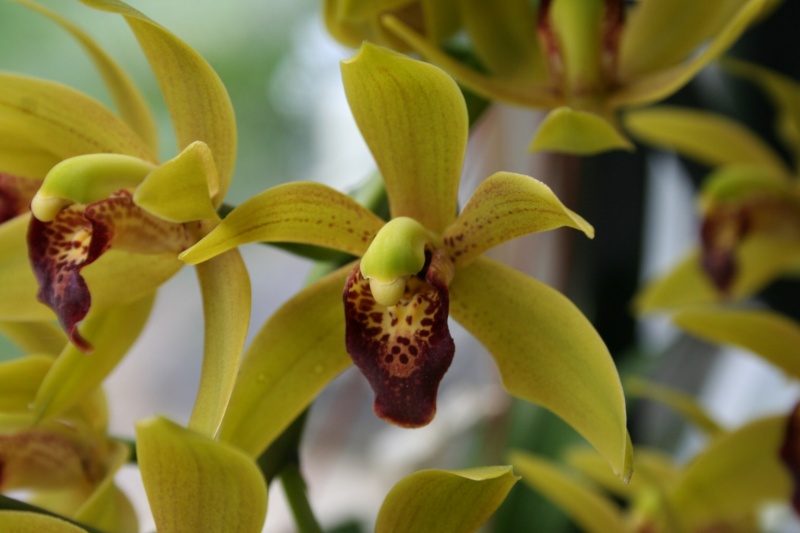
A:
(295, 488)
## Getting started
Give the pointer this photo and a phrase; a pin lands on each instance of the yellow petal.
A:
(547, 352)
(436, 500)
(710, 138)
(588, 508)
(196, 484)
(198, 103)
(577, 132)
(414, 120)
(35, 337)
(24, 160)
(506, 206)
(180, 190)
(74, 374)
(304, 212)
(226, 307)
(131, 104)
(19, 381)
(296, 353)
(765, 333)
(28, 522)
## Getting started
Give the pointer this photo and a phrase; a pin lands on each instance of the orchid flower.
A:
(415, 270)
(585, 59)
(106, 207)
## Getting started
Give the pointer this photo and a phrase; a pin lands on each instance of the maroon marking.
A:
(16, 194)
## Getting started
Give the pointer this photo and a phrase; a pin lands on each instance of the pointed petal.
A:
(226, 307)
(196, 484)
(593, 512)
(414, 120)
(285, 367)
(64, 121)
(28, 522)
(403, 350)
(195, 96)
(129, 101)
(35, 337)
(74, 374)
(710, 138)
(547, 352)
(305, 212)
(767, 334)
(180, 190)
(442, 501)
(506, 206)
(577, 132)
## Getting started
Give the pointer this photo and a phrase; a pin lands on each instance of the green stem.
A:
(10, 504)
(295, 488)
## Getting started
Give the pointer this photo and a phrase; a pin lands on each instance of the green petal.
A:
(297, 352)
(19, 381)
(27, 522)
(304, 212)
(196, 484)
(593, 512)
(35, 337)
(662, 83)
(441, 501)
(19, 159)
(180, 190)
(710, 138)
(414, 120)
(547, 352)
(74, 374)
(226, 307)
(64, 121)
(131, 104)
(765, 333)
(506, 206)
(577, 132)
(197, 100)
(685, 284)
(734, 475)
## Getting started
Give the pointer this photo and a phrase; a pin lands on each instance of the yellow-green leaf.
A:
(295, 354)
(414, 120)
(458, 501)
(196, 484)
(577, 132)
(506, 206)
(27, 522)
(547, 352)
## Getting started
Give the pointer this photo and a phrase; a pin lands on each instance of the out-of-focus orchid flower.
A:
(417, 269)
(585, 59)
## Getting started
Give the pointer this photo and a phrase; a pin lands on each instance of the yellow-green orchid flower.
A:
(418, 268)
(585, 59)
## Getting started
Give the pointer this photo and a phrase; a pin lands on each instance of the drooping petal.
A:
(593, 512)
(18, 288)
(710, 138)
(16, 194)
(226, 307)
(547, 352)
(296, 353)
(75, 375)
(577, 132)
(29, 522)
(197, 100)
(196, 484)
(503, 207)
(459, 501)
(403, 350)
(306, 212)
(765, 333)
(414, 120)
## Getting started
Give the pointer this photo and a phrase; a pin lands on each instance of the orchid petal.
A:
(662, 83)
(547, 352)
(16, 194)
(19, 381)
(577, 132)
(503, 207)
(226, 307)
(306, 212)
(132, 106)
(685, 284)
(414, 120)
(708, 137)
(765, 333)
(64, 121)
(441, 18)
(35, 337)
(18, 291)
(285, 366)
(593, 512)
(437, 500)
(198, 103)
(29, 522)
(735, 473)
(196, 484)
(75, 374)
(31, 162)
